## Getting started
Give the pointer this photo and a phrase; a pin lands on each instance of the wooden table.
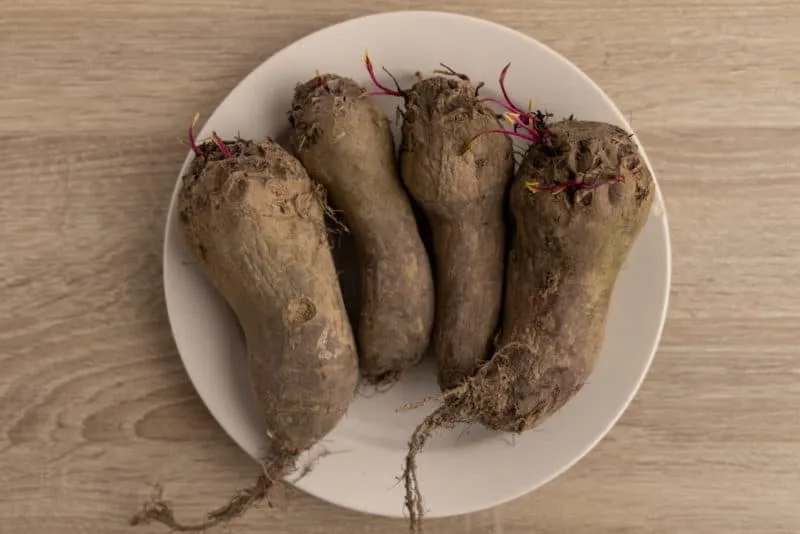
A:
(94, 402)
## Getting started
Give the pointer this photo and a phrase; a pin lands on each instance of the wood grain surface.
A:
(94, 402)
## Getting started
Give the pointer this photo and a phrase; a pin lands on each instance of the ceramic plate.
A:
(467, 468)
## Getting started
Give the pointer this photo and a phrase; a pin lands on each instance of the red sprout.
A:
(535, 187)
(503, 74)
(544, 135)
(226, 152)
(318, 78)
(192, 143)
(528, 125)
(533, 134)
(615, 180)
(527, 119)
(384, 91)
(448, 71)
(519, 122)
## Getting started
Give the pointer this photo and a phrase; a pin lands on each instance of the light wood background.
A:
(94, 402)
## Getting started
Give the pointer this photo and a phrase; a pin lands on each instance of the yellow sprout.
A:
(533, 187)
(511, 117)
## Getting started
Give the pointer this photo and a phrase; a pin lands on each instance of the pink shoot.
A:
(226, 152)
(614, 180)
(192, 142)
(535, 187)
(531, 126)
(517, 121)
(448, 71)
(511, 105)
(384, 91)
(528, 118)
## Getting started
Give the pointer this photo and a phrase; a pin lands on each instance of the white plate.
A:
(462, 470)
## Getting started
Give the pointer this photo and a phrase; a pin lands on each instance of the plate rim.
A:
(659, 201)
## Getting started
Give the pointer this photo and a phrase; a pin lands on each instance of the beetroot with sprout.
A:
(578, 203)
(254, 222)
(458, 174)
(344, 140)
(532, 123)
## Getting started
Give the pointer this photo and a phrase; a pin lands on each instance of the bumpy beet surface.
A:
(460, 182)
(254, 222)
(345, 142)
(567, 249)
